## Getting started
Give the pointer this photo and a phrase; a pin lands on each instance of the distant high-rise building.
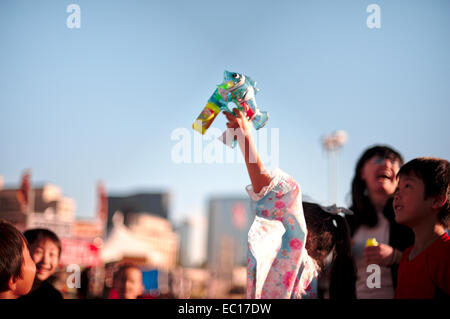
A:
(145, 203)
(192, 235)
(229, 221)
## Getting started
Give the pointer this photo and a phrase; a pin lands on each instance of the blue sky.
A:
(101, 102)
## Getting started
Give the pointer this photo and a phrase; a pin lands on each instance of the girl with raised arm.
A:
(289, 241)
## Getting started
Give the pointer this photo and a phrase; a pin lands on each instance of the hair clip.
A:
(335, 223)
(334, 210)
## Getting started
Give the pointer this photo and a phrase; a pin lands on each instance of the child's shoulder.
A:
(439, 260)
(445, 243)
(280, 185)
(440, 250)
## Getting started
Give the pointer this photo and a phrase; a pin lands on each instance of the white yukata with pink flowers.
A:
(278, 265)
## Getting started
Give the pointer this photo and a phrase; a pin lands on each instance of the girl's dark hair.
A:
(362, 206)
(11, 257)
(38, 234)
(329, 233)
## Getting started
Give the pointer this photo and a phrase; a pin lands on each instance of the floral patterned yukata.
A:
(278, 265)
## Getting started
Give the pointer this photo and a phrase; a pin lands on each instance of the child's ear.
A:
(12, 283)
(439, 201)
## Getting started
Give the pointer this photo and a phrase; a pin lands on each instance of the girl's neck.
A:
(379, 202)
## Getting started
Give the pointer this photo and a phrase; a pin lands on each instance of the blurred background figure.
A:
(373, 186)
(128, 283)
(91, 283)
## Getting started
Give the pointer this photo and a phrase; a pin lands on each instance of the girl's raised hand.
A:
(239, 121)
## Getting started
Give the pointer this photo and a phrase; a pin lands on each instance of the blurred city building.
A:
(148, 240)
(39, 207)
(192, 233)
(146, 203)
(83, 245)
(229, 221)
(228, 225)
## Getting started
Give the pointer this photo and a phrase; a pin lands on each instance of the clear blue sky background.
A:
(101, 102)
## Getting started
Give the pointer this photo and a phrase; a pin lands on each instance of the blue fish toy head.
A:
(232, 80)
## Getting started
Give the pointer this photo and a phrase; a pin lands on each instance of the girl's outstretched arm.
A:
(277, 266)
(255, 167)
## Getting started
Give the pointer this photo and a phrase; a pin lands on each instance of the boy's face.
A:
(410, 205)
(45, 254)
(130, 284)
(24, 284)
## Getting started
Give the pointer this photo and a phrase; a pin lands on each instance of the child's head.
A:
(128, 282)
(17, 269)
(374, 183)
(329, 233)
(423, 189)
(45, 249)
(375, 172)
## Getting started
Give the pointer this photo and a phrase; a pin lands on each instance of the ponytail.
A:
(329, 233)
(342, 268)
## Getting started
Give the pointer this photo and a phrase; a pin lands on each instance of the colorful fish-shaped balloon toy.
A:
(239, 89)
